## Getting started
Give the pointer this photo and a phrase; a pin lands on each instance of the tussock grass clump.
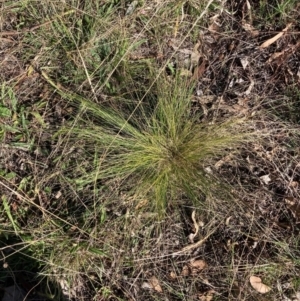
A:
(157, 150)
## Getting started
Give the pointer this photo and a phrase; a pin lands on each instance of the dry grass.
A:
(108, 118)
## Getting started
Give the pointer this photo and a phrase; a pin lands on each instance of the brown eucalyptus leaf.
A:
(275, 38)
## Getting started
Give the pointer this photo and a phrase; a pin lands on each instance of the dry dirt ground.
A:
(204, 253)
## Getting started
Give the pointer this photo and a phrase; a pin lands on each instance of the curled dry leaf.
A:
(199, 70)
(185, 271)
(294, 205)
(207, 296)
(155, 284)
(173, 275)
(191, 237)
(257, 284)
(250, 29)
(196, 225)
(228, 220)
(195, 55)
(275, 56)
(197, 265)
(223, 161)
(193, 268)
(215, 26)
(146, 285)
(266, 179)
(58, 194)
(294, 184)
(244, 62)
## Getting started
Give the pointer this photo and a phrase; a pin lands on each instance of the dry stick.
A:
(195, 245)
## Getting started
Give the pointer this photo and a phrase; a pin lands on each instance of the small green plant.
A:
(277, 10)
(15, 119)
(157, 150)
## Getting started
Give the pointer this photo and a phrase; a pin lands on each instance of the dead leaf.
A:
(248, 91)
(155, 284)
(193, 268)
(205, 99)
(266, 179)
(249, 28)
(294, 184)
(215, 25)
(199, 70)
(228, 220)
(58, 194)
(173, 275)
(208, 296)
(244, 62)
(14, 206)
(141, 204)
(195, 56)
(223, 161)
(275, 38)
(294, 206)
(185, 73)
(185, 271)
(275, 56)
(146, 286)
(197, 266)
(257, 284)
(279, 58)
